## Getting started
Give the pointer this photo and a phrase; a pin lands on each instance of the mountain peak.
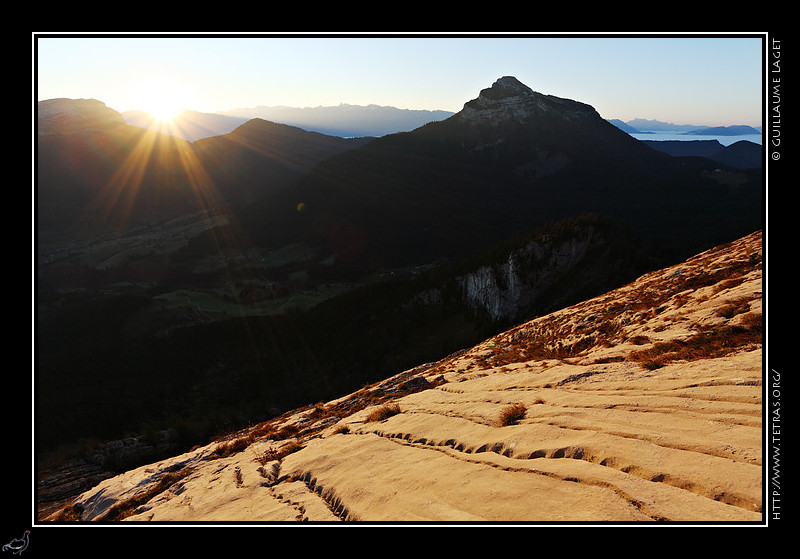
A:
(505, 87)
(508, 98)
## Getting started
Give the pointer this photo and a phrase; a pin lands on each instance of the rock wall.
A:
(504, 290)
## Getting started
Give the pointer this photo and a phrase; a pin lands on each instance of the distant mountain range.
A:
(743, 154)
(352, 121)
(347, 121)
(645, 126)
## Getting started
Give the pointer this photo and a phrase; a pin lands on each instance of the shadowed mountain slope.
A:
(93, 169)
(260, 157)
(511, 160)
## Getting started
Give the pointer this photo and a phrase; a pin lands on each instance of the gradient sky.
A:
(706, 80)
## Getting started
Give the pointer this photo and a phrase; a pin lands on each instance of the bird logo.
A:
(18, 545)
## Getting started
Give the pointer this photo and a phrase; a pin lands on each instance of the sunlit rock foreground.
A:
(643, 404)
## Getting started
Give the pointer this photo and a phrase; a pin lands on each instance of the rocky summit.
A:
(642, 404)
(509, 98)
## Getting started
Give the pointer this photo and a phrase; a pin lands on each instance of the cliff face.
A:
(642, 404)
(505, 290)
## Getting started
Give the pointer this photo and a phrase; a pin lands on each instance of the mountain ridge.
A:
(189, 125)
(70, 115)
(345, 120)
(739, 155)
(734, 130)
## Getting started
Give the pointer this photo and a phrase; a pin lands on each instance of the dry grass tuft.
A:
(512, 414)
(271, 454)
(267, 431)
(739, 306)
(383, 412)
(233, 447)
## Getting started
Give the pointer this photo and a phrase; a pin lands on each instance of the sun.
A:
(163, 101)
(165, 112)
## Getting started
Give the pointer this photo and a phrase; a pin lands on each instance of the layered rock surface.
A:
(643, 404)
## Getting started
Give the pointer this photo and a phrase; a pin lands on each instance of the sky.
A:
(708, 80)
